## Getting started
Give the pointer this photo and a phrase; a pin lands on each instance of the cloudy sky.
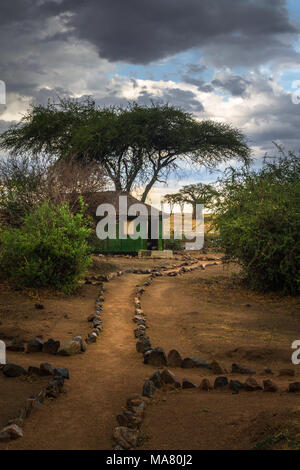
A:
(231, 60)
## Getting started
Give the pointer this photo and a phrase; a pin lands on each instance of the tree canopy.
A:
(194, 194)
(135, 145)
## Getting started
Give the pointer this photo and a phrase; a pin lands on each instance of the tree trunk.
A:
(148, 187)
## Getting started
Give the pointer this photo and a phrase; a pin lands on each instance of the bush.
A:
(50, 249)
(172, 243)
(258, 218)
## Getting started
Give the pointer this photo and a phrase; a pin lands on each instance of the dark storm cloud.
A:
(199, 83)
(234, 84)
(184, 99)
(248, 32)
(141, 31)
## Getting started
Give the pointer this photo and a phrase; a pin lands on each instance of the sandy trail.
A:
(100, 382)
(111, 370)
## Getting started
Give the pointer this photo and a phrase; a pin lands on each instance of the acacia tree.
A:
(136, 145)
(194, 194)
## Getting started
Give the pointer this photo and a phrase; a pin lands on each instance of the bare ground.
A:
(202, 313)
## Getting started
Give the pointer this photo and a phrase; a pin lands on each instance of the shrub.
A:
(172, 243)
(258, 218)
(50, 249)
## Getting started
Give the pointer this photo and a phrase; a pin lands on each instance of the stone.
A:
(91, 317)
(220, 382)
(168, 378)
(270, 386)
(46, 369)
(294, 387)
(174, 359)
(251, 385)
(187, 384)
(61, 372)
(134, 400)
(13, 431)
(97, 322)
(13, 370)
(51, 346)
(91, 338)
(156, 379)
(139, 409)
(206, 385)
(4, 436)
(55, 385)
(238, 369)
(148, 389)
(70, 348)
(143, 345)
(155, 357)
(39, 306)
(139, 332)
(18, 421)
(139, 320)
(286, 373)
(236, 385)
(192, 362)
(29, 405)
(125, 437)
(15, 345)
(32, 370)
(217, 368)
(83, 345)
(129, 419)
(34, 345)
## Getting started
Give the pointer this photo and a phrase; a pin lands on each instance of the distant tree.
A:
(194, 194)
(136, 145)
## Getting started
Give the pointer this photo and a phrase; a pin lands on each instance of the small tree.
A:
(50, 249)
(28, 180)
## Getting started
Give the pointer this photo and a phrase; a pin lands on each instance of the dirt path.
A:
(101, 381)
(185, 313)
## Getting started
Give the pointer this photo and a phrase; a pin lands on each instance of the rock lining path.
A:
(100, 382)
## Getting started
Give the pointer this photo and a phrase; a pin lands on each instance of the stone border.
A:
(71, 347)
(14, 428)
(128, 434)
(156, 356)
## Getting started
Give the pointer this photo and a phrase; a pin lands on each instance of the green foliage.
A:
(258, 218)
(134, 144)
(50, 249)
(212, 241)
(172, 243)
(194, 194)
(21, 183)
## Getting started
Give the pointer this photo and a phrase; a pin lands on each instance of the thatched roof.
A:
(112, 197)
